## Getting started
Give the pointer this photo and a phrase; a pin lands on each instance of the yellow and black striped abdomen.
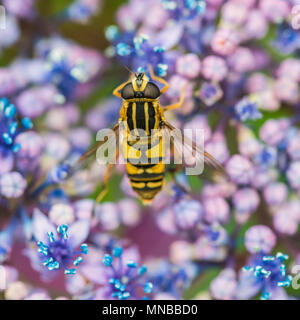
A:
(144, 152)
(146, 180)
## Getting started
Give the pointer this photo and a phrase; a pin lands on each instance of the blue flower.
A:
(10, 127)
(267, 157)
(57, 247)
(55, 176)
(270, 273)
(137, 51)
(287, 39)
(60, 74)
(171, 279)
(247, 110)
(81, 11)
(184, 9)
(125, 279)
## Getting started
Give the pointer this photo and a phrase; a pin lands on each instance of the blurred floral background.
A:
(236, 238)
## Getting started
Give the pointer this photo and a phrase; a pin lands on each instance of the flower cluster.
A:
(124, 279)
(270, 271)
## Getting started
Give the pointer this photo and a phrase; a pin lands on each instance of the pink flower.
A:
(290, 68)
(224, 286)
(260, 238)
(242, 60)
(256, 25)
(286, 218)
(12, 185)
(234, 13)
(245, 200)
(240, 169)
(224, 42)
(214, 68)
(275, 193)
(274, 10)
(293, 147)
(188, 66)
(273, 131)
(218, 147)
(293, 174)
(216, 209)
(286, 89)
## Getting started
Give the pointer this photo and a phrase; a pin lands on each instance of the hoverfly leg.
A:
(116, 92)
(154, 77)
(177, 104)
(105, 182)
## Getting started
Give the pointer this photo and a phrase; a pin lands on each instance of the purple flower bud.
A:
(188, 66)
(82, 10)
(84, 208)
(234, 13)
(218, 147)
(275, 193)
(210, 93)
(245, 200)
(214, 68)
(28, 156)
(260, 238)
(286, 89)
(293, 146)
(274, 11)
(240, 169)
(247, 110)
(108, 215)
(198, 122)
(286, 219)
(12, 185)
(224, 41)
(242, 60)
(20, 8)
(256, 25)
(223, 287)
(207, 251)
(180, 251)
(293, 174)
(216, 209)
(263, 177)
(177, 83)
(129, 212)
(289, 68)
(188, 213)
(273, 131)
(257, 82)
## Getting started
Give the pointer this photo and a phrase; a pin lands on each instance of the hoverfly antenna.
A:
(127, 68)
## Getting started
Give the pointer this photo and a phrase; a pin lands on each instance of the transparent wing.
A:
(187, 150)
(106, 143)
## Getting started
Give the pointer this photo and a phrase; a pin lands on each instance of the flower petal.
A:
(95, 273)
(78, 232)
(41, 226)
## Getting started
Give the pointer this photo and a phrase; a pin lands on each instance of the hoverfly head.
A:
(140, 81)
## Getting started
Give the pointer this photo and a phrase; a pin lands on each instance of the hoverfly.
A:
(141, 111)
